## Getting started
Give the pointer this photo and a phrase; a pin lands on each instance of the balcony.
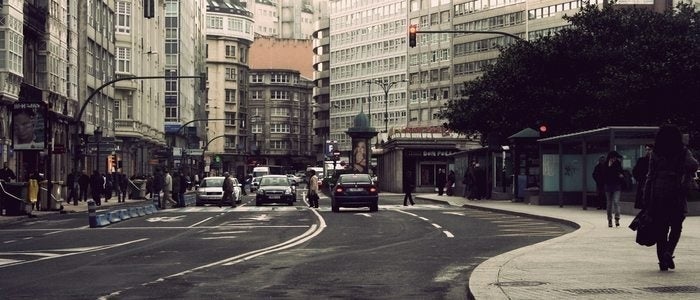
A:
(127, 128)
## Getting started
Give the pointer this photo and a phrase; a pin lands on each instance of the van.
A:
(260, 171)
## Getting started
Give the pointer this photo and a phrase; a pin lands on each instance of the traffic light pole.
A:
(80, 126)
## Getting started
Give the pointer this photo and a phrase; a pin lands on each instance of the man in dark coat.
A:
(96, 185)
(440, 180)
(480, 182)
(84, 183)
(639, 172)
(408, 186)
(598, 172)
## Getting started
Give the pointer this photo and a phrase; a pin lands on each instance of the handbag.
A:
(646, 231)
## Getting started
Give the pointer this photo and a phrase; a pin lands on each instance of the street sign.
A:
(104, 147)
(195, 152)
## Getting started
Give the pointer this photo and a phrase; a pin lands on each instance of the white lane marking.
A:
(200, 222)
(44, 257)
(262, 217)
(8, 261)
(219, 237)
(364, 214)
(447, 233)
(313, 231)
(166, 219)
(227, 232)
(454, 213)
(9, 241)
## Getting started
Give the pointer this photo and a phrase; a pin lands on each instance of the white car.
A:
(211, 189)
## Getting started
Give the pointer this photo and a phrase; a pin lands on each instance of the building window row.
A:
(368, 68)
(279, 145)
(215, 22)
(431, 57)
(366, 34)
(472, 67)
(371, 14)
(482, 45)
(474, 6)
(494, 22)
(371, 50)
(551, 10)
(536, 34)
(279, 112)
(425, 95)
(357, 87)
(279, 128)
(435, 75)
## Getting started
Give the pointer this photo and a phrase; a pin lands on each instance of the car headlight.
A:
(260, 192)
(288, 191)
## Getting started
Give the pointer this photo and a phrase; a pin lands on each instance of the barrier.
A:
(141, 211)
(102, 220)
(113, 216)
(133, 212)
(124, 214)
(150, 209)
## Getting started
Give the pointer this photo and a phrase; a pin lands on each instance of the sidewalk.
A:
(70, 208)
(593, 262)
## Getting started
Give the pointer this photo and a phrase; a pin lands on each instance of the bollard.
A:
(92, 217)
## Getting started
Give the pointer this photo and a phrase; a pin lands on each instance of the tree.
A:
(611, 67)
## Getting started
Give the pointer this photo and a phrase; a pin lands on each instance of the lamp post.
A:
(386, 86)
(98, 138)
(369, 100)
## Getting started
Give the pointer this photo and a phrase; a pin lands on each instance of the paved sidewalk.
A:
(70, 208)
(593, 262)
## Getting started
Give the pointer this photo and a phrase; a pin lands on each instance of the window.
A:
(279, 78)
(279, 128)
(279, 95)
(230, 51)
(230, 74)
(230, 95)
(123, 60)
(123, 17)
(256, 78)
(256, 95)
(215, 22)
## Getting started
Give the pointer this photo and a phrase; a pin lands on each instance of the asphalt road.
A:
(415, 252)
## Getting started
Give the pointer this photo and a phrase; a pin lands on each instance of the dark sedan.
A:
(275, 189)
(355, 190)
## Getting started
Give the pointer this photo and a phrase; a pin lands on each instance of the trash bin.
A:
(137, 189)
(13, 195)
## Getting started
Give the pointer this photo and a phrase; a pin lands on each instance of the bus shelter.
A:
(567, 163)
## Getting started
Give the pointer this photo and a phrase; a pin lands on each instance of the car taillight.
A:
(373, 189)
(339, 189)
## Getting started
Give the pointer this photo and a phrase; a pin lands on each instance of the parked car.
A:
(210, 190)
(354, 190)
(275, 189)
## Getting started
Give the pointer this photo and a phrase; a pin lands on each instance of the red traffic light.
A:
(412, 31)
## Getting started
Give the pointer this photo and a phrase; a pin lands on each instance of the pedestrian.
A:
(177, 181)
(73, 187)
(84, 183)
(598, 177)
(167, 190)
(666, 190)
(158, 183)
(468, 181)
(440, 179)
(96, 186)
(449, 186)
(123, 183)
(639, 172)
(612, 180)
(6, 174)
(313, 189)
(241, 179)
(408, 186)
(228, 191)
(107, 186)
(149, 186)
(184, 186)
(480, 182)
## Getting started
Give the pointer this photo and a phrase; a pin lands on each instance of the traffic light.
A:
(114, 162)
(542, 128)
(412, 31)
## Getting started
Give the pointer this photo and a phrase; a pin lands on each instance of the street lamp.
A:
(386, 86)
(369, 100)
(98, 138)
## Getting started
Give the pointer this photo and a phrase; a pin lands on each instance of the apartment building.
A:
(285, 19)
(229, 37)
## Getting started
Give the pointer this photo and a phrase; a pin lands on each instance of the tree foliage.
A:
(612, 67)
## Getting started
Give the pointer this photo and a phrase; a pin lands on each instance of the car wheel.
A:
(258, 203)
(374, 207)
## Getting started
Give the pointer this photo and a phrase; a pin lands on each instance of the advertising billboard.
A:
(29, 125)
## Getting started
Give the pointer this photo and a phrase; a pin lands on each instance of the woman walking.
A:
(669, 179)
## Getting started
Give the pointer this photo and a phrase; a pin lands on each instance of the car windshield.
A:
(274, 181)
(212, 182)
(354, 178)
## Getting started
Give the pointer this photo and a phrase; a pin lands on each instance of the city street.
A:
(426, 250)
